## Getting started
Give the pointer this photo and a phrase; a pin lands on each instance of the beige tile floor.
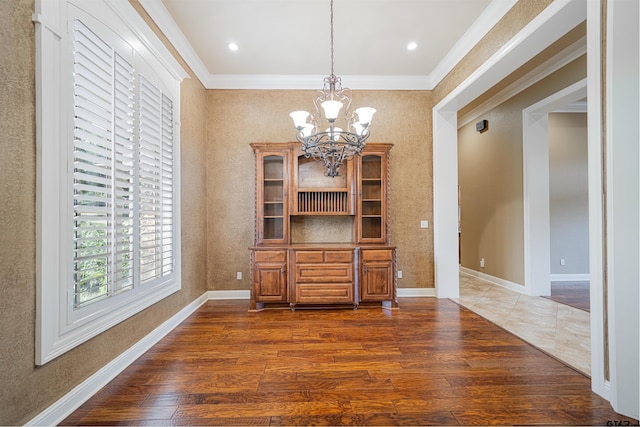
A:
(557, 329)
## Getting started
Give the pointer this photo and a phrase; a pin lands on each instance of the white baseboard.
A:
(245, 295)
(71, 401)
(572, 277)
(416, 292)
(492, 279)
(219, 295)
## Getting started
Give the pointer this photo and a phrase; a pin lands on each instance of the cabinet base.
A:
(261, 306)
(295, 307)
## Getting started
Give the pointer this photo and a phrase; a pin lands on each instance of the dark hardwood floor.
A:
(431, 362)
(574, 294)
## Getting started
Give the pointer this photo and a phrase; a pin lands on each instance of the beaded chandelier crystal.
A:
(321, 138)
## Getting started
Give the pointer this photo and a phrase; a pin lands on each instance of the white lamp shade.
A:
(365, 114)
(307, 129)
(299, 118)
(331, 109)
(357, 126)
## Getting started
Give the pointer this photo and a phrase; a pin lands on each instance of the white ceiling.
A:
(286, 43)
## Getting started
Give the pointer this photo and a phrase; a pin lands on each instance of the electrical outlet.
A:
(562, 262)
(399, 274)
(424, 224)
(481, 262)
(239, 275)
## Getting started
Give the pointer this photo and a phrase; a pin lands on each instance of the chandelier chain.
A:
(332, 38)
(345, 135)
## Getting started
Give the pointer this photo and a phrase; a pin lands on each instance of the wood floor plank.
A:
(547, 417)
(445, 418)
(220, 421)
(431, 362)
(230, 410)
(575, 294)
(128, 413)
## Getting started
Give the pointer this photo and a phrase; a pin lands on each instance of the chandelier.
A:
(321, 137)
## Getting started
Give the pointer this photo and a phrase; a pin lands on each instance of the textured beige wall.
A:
(490, 178)
(569, 193)
(26, 389)
(236, 118)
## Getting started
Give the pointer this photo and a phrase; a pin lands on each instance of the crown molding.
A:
(481, 26)
(313, 82)
(163, 19)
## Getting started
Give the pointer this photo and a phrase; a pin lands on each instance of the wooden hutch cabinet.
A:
(299, 271)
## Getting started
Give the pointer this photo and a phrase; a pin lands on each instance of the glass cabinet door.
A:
(371, 201)
(372, 195)
(272, 178)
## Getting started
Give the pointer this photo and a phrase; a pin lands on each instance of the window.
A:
(108, 163)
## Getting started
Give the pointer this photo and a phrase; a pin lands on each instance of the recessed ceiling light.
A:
(412, 46)
(233, 46)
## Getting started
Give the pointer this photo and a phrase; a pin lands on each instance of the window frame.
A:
(60, 327)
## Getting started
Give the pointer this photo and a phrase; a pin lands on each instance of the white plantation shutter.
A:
(123, 185)
(168, 193)
(149, 179)
(93, 157)
(124, 189)
(108, 160)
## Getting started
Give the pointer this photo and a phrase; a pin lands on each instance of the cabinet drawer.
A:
(338, 256)
(318, 273)
(308, 256)
(270, 256)
(377, 255)
(324, 293)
